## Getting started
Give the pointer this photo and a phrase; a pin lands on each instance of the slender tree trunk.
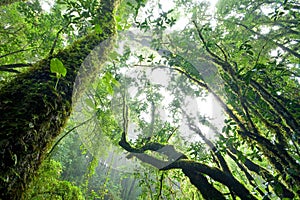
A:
(33, 111)
(130, 189)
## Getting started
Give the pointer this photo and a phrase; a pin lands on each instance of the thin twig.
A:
(215, 58)
(14, 52)
(160, 185)
(258, 56)
(174, 130)
(67, 133)
(199, 31)
(56, 39)
(223, 52)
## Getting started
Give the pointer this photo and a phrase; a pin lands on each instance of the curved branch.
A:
(216, 174)
(252, 134)
(188, 167)
(67, 133)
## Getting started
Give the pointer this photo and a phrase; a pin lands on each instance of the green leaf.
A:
(141, 58)
(56, 66)
(98, 29)
(115, 82)
(119, 27)
(110, 89)
(118, 18)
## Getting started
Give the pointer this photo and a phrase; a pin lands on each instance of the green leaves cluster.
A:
(47, 184)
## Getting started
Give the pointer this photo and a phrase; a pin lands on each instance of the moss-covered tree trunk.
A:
(33, 111)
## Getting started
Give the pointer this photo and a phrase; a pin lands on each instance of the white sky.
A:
(193, 106)
(168, 5)
(47, 4)
(206, 106)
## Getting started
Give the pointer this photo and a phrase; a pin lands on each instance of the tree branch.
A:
(56, 38)
(10, 67)
(216, 174)
(266, 175)
(67, 133)
(160, 185)
(268, 39)
(14, 52)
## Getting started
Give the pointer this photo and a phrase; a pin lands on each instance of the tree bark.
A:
(33, 111)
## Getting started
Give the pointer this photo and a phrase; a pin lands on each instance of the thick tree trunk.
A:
(33, 111)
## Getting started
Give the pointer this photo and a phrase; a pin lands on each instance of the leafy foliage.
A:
(49, 186)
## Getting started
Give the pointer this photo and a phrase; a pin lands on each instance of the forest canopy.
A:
(139, 99)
